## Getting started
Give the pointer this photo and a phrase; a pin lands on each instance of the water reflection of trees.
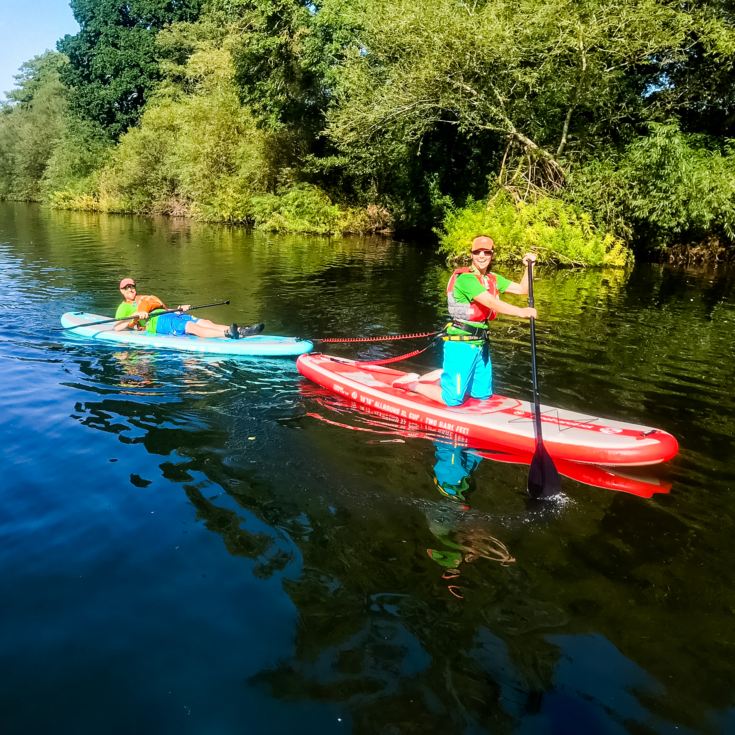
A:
(240, 542)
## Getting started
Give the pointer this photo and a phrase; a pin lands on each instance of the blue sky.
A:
(27, 29)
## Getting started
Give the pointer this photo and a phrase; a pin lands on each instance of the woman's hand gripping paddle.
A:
(543, 477)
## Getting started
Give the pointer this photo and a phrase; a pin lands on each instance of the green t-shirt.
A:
(125, 310)
(466, 287)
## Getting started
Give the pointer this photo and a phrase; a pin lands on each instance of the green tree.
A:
(32, 121)
(665, 188)
(199, 154)
(285, 55)
(269, 62)
(80, 151)
(531, 72)
(532, 90)
(699, 88)
(113, 64)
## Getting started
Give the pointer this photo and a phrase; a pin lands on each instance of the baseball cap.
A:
(127, 282)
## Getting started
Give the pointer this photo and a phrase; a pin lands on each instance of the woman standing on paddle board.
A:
(177, 323)
(473, 299)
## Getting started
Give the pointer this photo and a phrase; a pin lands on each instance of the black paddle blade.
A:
(543, 477)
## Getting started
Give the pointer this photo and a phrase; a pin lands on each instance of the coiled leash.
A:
(434, 337)
(384, 338)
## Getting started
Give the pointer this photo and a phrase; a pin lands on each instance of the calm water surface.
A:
(190, 545)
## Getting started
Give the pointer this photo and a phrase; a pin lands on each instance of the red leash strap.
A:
(389, 360)
(408, 355)
(388, 338)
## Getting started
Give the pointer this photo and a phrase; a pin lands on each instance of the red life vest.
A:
(472, 311)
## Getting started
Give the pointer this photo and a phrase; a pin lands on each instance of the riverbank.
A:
(309, 212)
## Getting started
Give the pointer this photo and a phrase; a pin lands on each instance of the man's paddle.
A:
(155, 312)
(543, 477)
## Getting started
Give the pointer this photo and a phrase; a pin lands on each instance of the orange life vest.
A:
(471, 311)
(147, 303)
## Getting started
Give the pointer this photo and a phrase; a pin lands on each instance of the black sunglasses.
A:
(483, 252)
(130, 285)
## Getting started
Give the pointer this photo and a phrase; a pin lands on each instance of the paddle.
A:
(543, 478)
(155, 312)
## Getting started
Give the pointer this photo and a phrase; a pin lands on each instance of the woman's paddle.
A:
(543, 477)
(155, 312)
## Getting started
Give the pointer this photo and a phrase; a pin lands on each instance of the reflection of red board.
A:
(588, 474)
(498, 421)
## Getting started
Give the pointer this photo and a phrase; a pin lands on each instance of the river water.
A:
(197, 545)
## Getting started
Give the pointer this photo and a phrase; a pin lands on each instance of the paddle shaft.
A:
(154, 313)
(543, 477)
(534, 370)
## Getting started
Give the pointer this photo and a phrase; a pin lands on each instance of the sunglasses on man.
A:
(483, 252)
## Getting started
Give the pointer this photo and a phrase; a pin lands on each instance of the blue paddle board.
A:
(260, 345)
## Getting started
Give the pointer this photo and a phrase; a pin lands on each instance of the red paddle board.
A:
(497, 421)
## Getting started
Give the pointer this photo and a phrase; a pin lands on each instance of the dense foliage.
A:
(557, 231)
(113, 64)
(578, 128)
(33, 124)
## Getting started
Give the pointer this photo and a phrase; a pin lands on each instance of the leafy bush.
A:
(360, 221)
(81, 150)
(306, 208)
(303, 208)
(78, 201)
(665, 188)
(559, 232)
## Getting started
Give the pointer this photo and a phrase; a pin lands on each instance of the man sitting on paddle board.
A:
(473, 297)
(176, 323)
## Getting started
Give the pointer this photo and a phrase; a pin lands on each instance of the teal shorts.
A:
(453, 469)
(467, 369)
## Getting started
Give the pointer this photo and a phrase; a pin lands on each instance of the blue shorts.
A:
(173, 323)
(467, 368)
